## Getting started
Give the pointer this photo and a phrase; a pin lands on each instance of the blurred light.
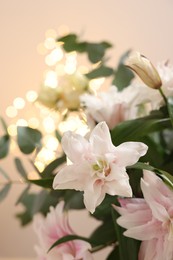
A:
(31, 95)
(63, 30)
(83, 69)
(49, 125)
(95, 84)
(33, 175)
(51, 142)
(51, 79)
(50, 43)
(71, 62)
(60, 70)
(51, 33)
(19, 103)
(55, 56)
(33, 122)
(12, 130)
(45, 156)
(13, 145)
(39, 165)
(21, 122)
(41, 49)
(11, 111)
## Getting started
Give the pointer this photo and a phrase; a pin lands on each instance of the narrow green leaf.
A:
(165, 176)
(70, 238)
(58, 135)
(45, 183)
(4, 125)
(20, 168)
(170, 108)
(96, 51)
(73, 199)
(132, 130)
(28, 139)
(4, 174)
(114, 255)
(48, 171)
(4, 191)
(4, 146)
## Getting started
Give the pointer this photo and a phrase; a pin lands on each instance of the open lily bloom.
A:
(54, 227)
(150, 219)
(98, 167)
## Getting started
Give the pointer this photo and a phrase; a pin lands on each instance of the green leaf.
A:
(114, 255)
(45, 183)
(4, 125)
(170, 108)
(132, 130)
(20, 168)
(70, 238)
(4, 174)
(58, 135)
(4, 145)
(106, 228)
(165, 176)
(103, 211)
(28, 139)
(101, 71)
(48, 171)
(4, 191)
(123, 77)
(96, 51)
(73, 199)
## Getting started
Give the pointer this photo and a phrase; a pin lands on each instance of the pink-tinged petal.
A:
(75, 146)
(128, 153)
(100, 139)
(151, 195)
(93, 194)
(148, 250)
(164, 194)
(72, 177)
(147, 231)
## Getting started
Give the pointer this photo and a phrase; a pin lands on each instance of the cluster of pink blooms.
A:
(97, 168)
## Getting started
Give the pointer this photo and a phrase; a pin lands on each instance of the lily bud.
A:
(145, 70)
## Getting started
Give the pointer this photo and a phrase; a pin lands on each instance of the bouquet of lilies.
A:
(120, 169)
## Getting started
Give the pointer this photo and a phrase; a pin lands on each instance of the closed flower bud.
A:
(145, 70)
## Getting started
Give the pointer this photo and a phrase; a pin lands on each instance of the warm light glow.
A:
(49, 125)
(19, 103)
(45, 156)
(21, 122)
(41, 49)
(31, 96)
(75, 124)
(55, 56)
(12, 130)
(95, 84)
(71, 62)
(11, 111)
(33, 175)
(49, 43)
(63, 30)
(33, 122)
(51, 79)
(40, 165)
(50, 142)
(60, 70)
(51, 33)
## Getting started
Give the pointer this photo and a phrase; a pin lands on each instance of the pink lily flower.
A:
(54, 227)
(98, 167)
(150, 219)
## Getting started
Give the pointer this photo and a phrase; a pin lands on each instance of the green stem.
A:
(98, 248)
(163, 95)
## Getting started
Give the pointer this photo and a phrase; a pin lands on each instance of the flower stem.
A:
(163, 95)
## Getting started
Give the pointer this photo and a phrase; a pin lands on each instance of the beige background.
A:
(142, 25)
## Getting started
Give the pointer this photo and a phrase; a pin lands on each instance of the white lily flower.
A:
(98, 167)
